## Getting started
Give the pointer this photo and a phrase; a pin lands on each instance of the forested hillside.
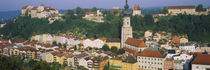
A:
(196, 27)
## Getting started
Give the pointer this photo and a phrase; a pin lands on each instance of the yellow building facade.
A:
(124, 65)
(113, 42)
(183, 40)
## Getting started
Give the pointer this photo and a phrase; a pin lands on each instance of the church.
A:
(128, 43)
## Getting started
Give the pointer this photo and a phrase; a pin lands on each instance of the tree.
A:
(114, 49)
(65, 45)
(94, 9)
(111, 67)
(59, 44)
(41, 65)
(54, 43)
(86, 10)
(164, 10)
(105, 47)
(121, 51)
(199, 7)
(75, 47)
(79, 10)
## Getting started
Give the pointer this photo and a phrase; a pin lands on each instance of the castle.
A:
(41, 12)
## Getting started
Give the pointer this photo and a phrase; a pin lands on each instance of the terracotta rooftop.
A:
(26, 49)
(152, 53)
(87, 13)
(202, 59)
(113, 40)
(149, 30)
(59, 54)
(102, 38)
(176, 39)
(135, 42)
(92, 39)
(181, 7)
(129, 50)
(34, 8)
(118, 11)
(136, 7)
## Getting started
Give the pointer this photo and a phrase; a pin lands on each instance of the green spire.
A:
(126, 5)
(126, 10)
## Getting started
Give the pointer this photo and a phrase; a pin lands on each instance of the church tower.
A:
(136, 10)
(126, 28)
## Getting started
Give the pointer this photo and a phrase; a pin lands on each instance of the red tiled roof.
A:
(102, 38)
(135, 42)
(87, 13)
(60, 48)
(176, 39)
(92, 39)
(26, 49)
(59, 54)
(150, 30)
(152, 53)
(202, 59)
(136, 7)
(129, 50)
(34, 8)
(181, 7)
(160, 32)
(118, 11)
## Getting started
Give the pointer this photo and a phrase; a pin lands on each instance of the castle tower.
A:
(126, 28)
(136, 10)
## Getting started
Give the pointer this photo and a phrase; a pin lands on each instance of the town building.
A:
(201, 62)
(174, 10)
(94, 43)
(113, 42)
(169, 64)
(124, 63)
(151, 60)
(94, 16)
(148, 34)
(188, 47)
(135, 45)
(136, 10)
(181, 61)
(176, 39)
(126, 31)
(41, 12)
(79, 60)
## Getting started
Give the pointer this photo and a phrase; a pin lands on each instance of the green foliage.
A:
(111, 67)
(94, 9)
(41, 65)
(10, 63)
(120, 51)
(75, 47)
(54, 43)
(105, 47)
(199, 7)
(196, 27)
(114, 49)
(164, 10)
(79, 10)
(86, 10)
(59, 44)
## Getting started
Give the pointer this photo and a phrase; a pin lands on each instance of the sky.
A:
(9, 5)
